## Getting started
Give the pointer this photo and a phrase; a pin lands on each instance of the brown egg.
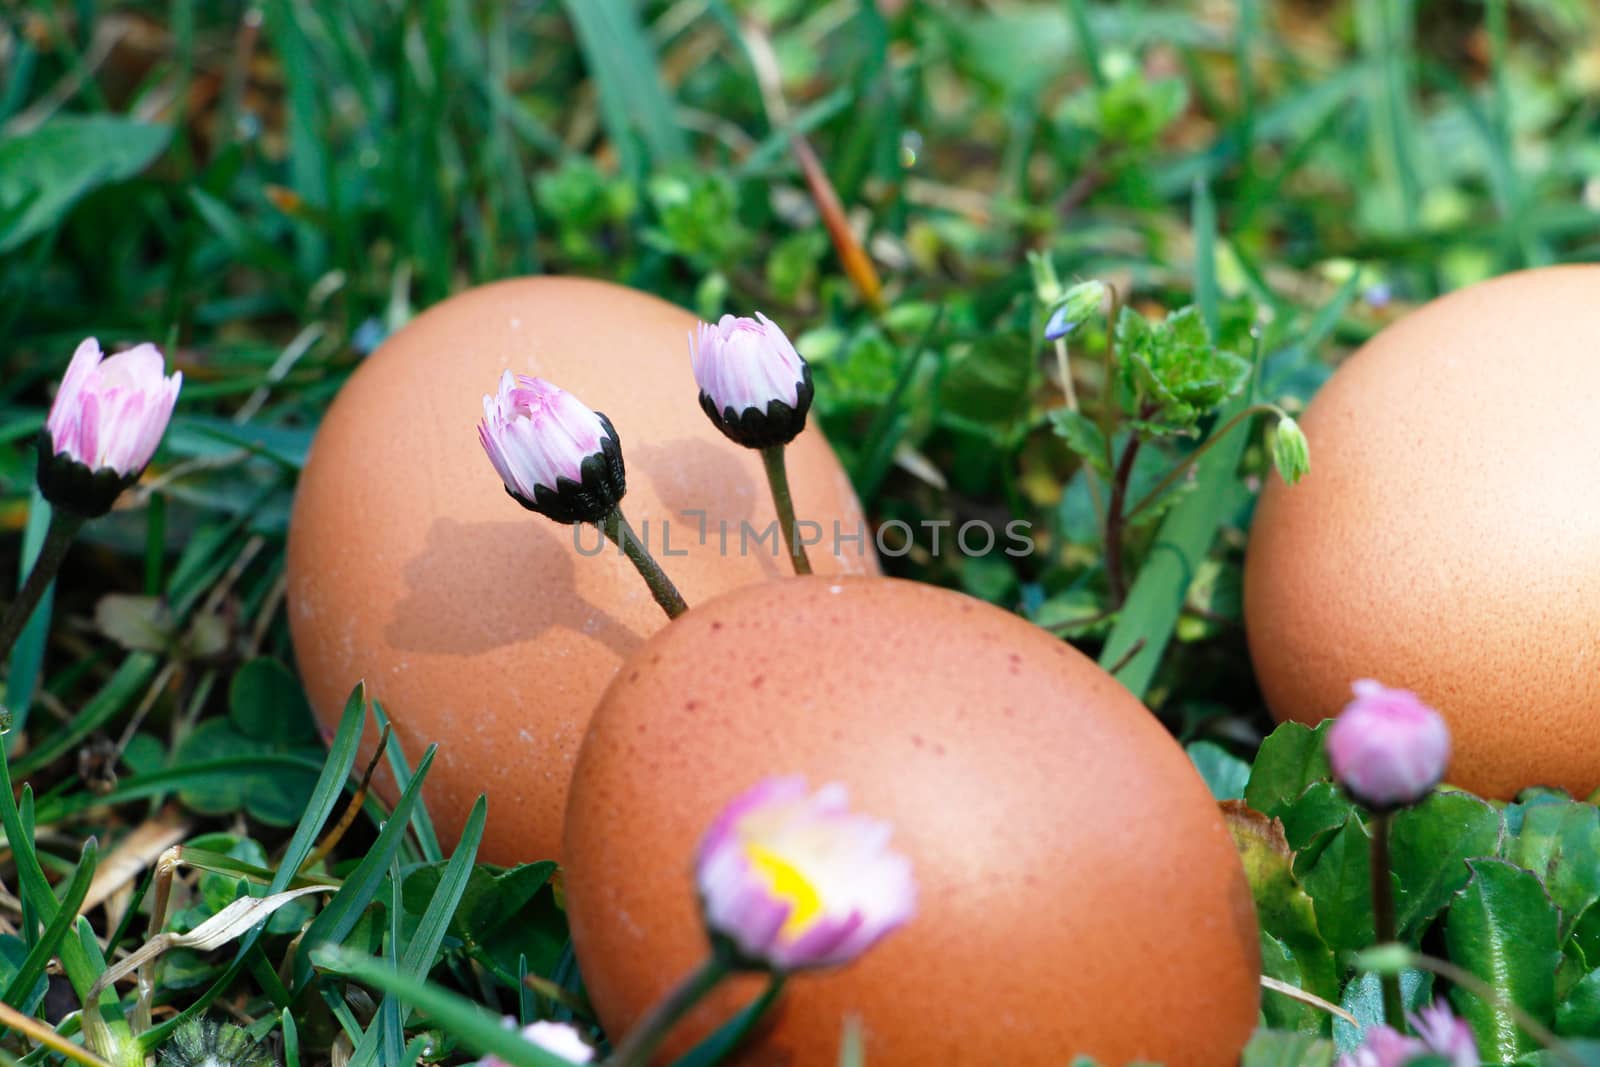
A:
(1078, 892)
(1447, 539)
(479, 625)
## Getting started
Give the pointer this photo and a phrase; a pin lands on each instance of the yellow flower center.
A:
(788, 884)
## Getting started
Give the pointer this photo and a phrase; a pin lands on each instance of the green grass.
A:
(269, 189)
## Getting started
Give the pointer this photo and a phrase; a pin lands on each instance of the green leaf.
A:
(1084, 436)
(1579, 1014)
(1363, 998)
(1225, 773)
(44, 172)
(988, 382)
(1290, 759)
(1560, 842)
(1587, 1054)
(1429, 846)
(267, 702)
(1274, 1048)
(489, 900)
(1284, 911)
(277, 798)
(1322, 808)
(1502, 927)
(1340, 882)
(1279, 1010)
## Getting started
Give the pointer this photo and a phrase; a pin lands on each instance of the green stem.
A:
(1394, 1011)
(1194, 457)
(617, 530)
(643, 1040)
(778, 479)
(64, 526)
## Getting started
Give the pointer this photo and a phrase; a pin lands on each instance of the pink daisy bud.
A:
(1384, 1047)
(560, 1039)
(554, 455)
(1440, 1035)
(1445, 1035)
(790, 880)
(1388, 748)
(753, 383)
(107, 419)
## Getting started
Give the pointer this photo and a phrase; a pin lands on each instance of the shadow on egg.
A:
(503, 611)
(682, 468)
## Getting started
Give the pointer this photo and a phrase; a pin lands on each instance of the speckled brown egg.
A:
(1078, 891)
(487, 628)
(1447, 539)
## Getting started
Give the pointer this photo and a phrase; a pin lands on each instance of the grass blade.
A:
(339, 917)
(319, 809)
(291, 1039)
(27, 656)
(417, 959)
(117, 694)
(66, 916)
(421, 821)
(633, 99)
(479, 1029)
(35, 889)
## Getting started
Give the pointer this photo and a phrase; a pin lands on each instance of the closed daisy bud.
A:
(554, 455)
(753, 383)
(1440, 1038)
(1446, 1036)
(104, 426)
(791, 880)
(1387, 747)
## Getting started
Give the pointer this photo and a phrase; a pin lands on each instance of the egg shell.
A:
(482, 626)
(1078, 890)
(1447, 539)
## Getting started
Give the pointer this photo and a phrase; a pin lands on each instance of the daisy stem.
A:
(778, 479)
(1394, 1011)
(58, 537)
(617, 530)
(643, 1040)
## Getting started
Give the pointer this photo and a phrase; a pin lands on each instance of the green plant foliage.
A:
(1503, 926)
(1169, 373)
(1222, 201)
(1431, 845)
(44, 172)
(267, 714)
